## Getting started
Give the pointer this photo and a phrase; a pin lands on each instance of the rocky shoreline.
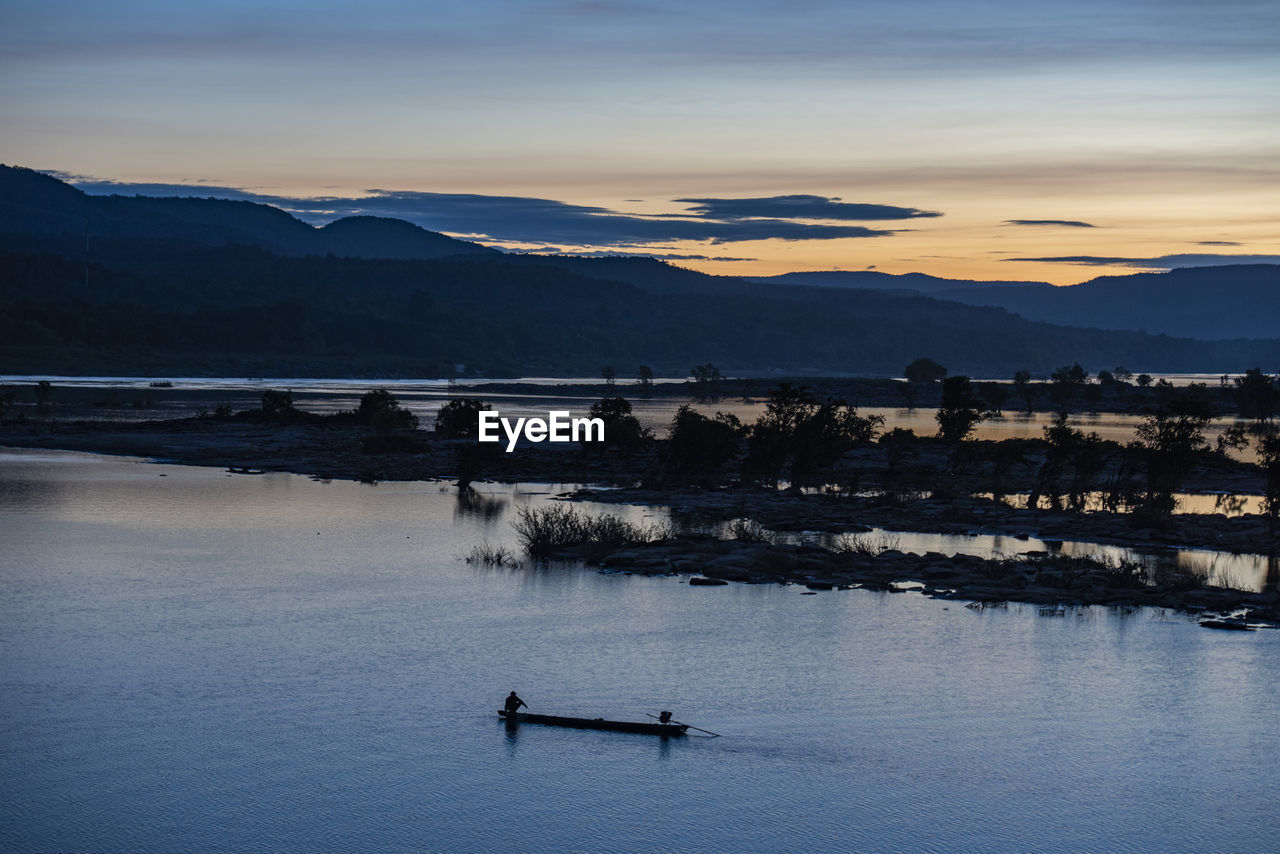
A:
(1053, 583)
(320, 448)
(783, 511)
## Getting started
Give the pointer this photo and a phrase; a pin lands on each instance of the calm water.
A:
(196, 661)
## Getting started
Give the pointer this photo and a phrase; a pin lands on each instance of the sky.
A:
(993, 140)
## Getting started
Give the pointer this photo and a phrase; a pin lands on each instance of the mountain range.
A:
(1223, 302)
(160, 286)
(37, 209)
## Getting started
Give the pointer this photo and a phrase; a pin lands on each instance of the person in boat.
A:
(514, 703)
(664, 717)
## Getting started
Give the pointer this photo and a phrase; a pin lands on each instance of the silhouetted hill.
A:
(198, 286)
(874, 280)
(382, 237)
(1236, 301)
(1225, 302)
(649, 273)
(240, 310)
(37, 210)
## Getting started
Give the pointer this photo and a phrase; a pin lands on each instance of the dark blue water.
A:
(196, 661)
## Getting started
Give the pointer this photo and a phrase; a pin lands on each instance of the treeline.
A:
(806, 441)
(1252, 394)
(162, 308)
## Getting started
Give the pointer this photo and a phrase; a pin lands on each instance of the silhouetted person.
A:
(664, 717)
(514, 703)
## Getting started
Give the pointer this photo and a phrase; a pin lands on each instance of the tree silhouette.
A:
(621, 428)
(44, 398)
(698, 447)
(924, 371)
(1067, 383)
(994, 395)
(644, 379)
(1167, 443)
(1269, 460)
(707, 380)
(460, 419)
(278, 405)
(900, 444)
(1022, 387)
(961, 409)
(1256, 395)
(803, 436)
(1069, 450)
(380, 410)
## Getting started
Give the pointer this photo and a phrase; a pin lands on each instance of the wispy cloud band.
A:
(1069, 223)
(1162, 262)
(519, 219)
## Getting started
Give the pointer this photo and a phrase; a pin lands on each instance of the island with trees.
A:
(810, 462)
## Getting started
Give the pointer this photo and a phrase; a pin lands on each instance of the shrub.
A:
(749, 531)
(544, 530)
(488, 554)
(863, 545)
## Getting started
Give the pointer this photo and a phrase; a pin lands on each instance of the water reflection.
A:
(1252, 572)
(1185, 502)
(512, 736)
(487, 507)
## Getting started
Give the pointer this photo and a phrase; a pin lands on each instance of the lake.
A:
(192, 660)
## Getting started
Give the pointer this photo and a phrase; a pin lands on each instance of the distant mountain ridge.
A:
(156, 286)
(1208, 303)
(1211, 303)
(35, 205)
(875, 280)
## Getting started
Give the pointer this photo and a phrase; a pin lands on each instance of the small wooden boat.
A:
(596, 723)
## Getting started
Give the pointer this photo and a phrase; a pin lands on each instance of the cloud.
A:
(1162, 262)
(550, 221)
(1217, 243)
(1073, 223)
(534, 220)
(799, 207)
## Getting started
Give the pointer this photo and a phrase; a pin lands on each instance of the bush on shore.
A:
(544, 530)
